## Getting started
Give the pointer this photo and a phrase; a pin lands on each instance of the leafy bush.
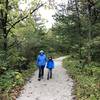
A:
(87, 79)
(10, 79)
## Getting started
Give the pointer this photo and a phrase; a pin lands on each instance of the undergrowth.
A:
(87, 79)
(12, 81)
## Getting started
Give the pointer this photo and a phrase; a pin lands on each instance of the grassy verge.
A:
(87, 79)
(12, 82)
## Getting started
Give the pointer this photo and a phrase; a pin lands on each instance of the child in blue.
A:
(50, 66)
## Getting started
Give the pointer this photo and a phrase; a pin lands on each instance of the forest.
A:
(75, 33)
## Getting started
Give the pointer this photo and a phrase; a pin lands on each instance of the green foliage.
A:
(87, 79)
(12, 79)
(3, 62)
(20, 44)
(79, 30)
(9, 80)
(69, 35)
(28, 73)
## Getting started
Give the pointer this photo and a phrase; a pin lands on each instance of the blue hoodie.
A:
(50, 63)
(41, 60)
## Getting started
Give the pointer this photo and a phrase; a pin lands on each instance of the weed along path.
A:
(60, 87)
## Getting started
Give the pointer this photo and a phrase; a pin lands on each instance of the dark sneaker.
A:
(39, 79)
(50, 77)
(47, 78)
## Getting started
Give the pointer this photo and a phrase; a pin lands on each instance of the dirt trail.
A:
(60, 87)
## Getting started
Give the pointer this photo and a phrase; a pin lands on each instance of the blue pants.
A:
(49, 73)
(41, 72)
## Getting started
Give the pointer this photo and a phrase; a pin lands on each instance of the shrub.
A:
(87, 84)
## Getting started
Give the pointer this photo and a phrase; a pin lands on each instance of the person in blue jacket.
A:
(50, 66)
(41, 62)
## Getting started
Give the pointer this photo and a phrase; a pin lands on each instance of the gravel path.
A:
(58, 88)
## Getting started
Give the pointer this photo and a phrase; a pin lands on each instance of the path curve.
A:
(60, 87)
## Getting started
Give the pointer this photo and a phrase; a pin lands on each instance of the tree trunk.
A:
(89, 31)
(5, 29)
(3, 15)
(79, 26)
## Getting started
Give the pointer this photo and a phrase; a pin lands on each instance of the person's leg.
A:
(42, 71)
(51, 73)
(48, 74)
(39, 76)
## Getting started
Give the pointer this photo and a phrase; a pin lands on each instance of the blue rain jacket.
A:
(41, 60)
(50, 64)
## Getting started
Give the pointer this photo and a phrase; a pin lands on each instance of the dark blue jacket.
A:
(41, 60)
(50, 64)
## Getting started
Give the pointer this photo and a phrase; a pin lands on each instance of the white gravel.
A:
(60, 87)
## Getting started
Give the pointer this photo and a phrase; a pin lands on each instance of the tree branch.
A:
(12, 26)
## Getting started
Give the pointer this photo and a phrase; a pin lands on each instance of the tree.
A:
(77, 26)
(8, 18)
